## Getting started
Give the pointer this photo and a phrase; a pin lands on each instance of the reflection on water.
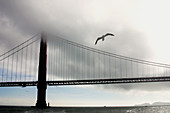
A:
(149, 109)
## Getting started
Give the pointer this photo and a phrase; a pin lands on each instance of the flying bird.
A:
(103, 36)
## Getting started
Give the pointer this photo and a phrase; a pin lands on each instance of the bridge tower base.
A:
(42, 86)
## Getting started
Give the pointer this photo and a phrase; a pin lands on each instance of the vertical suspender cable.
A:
(79, 55)
(31, 62)
(142, 68)
(115, 70)
(61, 53)
(74, 62)
(153, 70)
(35, 60)
(26, 64)
(1, 62)
(82, 64)
(138, 70)
(104, 67)
(147, 72)
(120, 67)
(7, 70)
(150, 73)
(50, 58)
(63, 63)
(59, 66)
(62, 60)
(126, 72)
(99, 65)
(69, 60)
(110, 67)
(66, 61)
(88, 56)
(168, 71)
(3, 70)
(16, 67)
(78, 64)
(61, 46)
(47, 64)
(93, 65)
(64, 67)
(21, 65)
(86, 64)
(162, 71)
(52, 65)
(131, 63)
(158, 71)
(55, 60)
(12, 65)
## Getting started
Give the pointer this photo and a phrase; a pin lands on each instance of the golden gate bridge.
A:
(45, 60)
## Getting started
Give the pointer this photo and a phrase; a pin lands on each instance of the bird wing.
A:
(97, 40)
(109, 34)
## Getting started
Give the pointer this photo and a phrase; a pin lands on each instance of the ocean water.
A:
(146, 109)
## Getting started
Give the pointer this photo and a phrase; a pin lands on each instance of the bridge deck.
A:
(88, 82)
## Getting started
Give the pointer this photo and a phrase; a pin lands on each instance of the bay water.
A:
(132, 109)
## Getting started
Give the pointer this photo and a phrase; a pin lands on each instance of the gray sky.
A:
(80, 21)
(141, 28)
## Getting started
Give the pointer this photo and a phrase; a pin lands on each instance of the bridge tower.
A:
(42, 86)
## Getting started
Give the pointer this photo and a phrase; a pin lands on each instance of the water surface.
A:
(140, 109)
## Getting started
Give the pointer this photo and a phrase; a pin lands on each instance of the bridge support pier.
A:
(42, 86)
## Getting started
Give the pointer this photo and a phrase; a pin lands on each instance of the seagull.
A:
(103, 36)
